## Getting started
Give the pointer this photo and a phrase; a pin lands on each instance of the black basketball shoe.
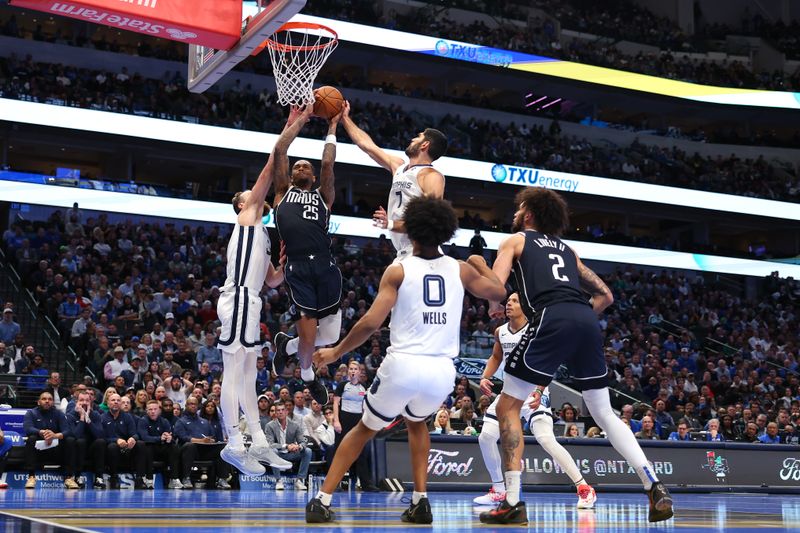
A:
(506, 514)
(660, 503)
(317, 513)
(281, 357)
(318, 391)
(419, 513)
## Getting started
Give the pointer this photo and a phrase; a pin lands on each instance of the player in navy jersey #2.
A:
(540, 420)
(424, 293)
(564, 329)
(239, 308)
(302, 214)
(409, 180)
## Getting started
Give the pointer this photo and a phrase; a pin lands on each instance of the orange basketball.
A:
(328, 102)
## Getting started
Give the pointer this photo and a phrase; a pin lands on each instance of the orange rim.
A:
(302, 26)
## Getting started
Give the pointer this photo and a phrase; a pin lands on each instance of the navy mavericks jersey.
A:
(547, 273)
(302, 222)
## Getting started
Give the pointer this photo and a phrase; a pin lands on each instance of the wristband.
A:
(390, 224)
(330, 139)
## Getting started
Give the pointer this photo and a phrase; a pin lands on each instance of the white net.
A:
(297, 53)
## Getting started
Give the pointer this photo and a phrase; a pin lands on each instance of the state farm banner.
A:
(213, 23)
(704, 465)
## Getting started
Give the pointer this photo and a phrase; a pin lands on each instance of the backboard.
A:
(208, 65)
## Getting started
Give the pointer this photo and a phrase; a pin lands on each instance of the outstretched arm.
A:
(326, 175)
(365, 142)
(372, 320)
(508, 251)
(479, 279)
(591, 283)
(297, 119)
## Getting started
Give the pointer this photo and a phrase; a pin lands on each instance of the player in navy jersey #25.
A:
(424, 293)
(409, 180)
(564, 329)
(314, 281)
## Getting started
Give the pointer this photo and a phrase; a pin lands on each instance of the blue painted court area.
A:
(170, 511)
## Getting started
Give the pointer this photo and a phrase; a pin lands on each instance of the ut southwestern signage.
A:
(534, 177)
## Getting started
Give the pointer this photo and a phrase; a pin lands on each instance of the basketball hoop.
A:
(297, 51)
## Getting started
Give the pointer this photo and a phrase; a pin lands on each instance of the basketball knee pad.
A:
(329, 329)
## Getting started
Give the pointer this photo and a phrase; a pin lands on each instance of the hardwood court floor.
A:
(50, 510)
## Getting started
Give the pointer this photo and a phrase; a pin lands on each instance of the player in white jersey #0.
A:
(424, 293)
(239, 309)
(540, 420)
(409, 180)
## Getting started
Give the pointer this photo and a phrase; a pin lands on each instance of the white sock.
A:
(619, 435)
(247, 396)
(307, 374)
(235, 440)
(487, 440)
(325, 498)
(259, 439)
(543, 431)
(417, 496)
(513, 483)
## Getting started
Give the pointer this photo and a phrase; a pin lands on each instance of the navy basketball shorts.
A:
(567, 334)
(315, 286)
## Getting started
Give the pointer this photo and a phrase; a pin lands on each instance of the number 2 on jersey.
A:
(559, 263)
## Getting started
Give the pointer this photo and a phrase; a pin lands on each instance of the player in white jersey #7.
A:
(409, 180)
(425, 293)
(540, 420)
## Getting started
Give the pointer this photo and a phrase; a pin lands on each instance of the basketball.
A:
(328, 102)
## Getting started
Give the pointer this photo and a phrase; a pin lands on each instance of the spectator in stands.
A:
(713, 434)
(682, 434)
(120, 433)
(169, 364)
(209, 353)
(571, 430)
(317, 427)
(771, 436)
(441, 422)
(7, 365)
(627, 417)
(179, 389)
(37, 374)
(690, 418)
(85, 426)
(8, 328)
(286, 437)
(197, 441)
(648, 431)
(49, 441)
(300, 411)
(117, 365)
(662, 416)
(262, 375)
(750, 433)
(155, 432)
(60, 394)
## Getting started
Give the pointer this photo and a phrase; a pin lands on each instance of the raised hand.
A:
(380, 218)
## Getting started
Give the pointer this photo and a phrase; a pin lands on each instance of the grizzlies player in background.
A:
(540, 420)
(410, 180)
(302, 213)
(239, 310)
(425, 294)
(564, 329)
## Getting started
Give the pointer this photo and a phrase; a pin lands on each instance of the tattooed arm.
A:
(591, 283)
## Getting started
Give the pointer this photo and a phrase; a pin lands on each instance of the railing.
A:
(39, 329)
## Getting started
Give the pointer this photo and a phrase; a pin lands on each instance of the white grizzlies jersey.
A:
(249, 254)
(405, 186)
(426, 319)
